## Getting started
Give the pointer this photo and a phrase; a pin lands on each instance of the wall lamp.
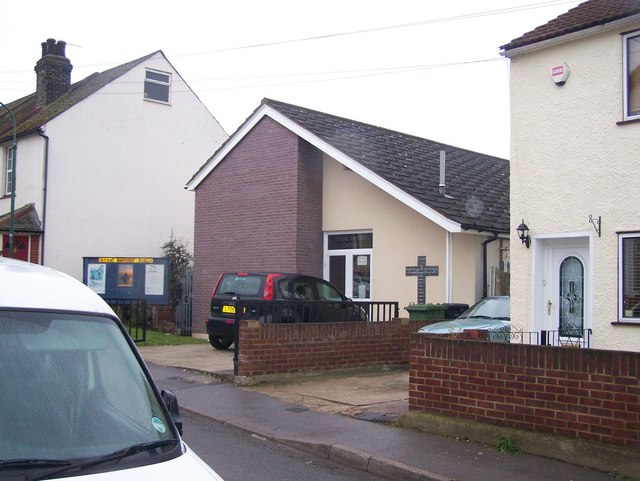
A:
(523, 234)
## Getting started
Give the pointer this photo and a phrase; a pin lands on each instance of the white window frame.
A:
(348, 253)
(166, 84)
(623, 315)
(625, 62)
(9, 167)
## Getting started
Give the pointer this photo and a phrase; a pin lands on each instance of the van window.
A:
(71, 388)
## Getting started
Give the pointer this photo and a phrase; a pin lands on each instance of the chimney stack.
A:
(53, 73)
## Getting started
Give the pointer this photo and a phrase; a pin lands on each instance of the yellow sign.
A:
(126, 260)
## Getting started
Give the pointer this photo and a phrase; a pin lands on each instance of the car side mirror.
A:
(171, 401)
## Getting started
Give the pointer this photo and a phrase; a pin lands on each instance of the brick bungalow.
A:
(367, 208)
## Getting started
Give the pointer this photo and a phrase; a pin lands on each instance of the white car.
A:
(76, 399)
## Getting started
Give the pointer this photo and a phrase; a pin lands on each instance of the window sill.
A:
(626, 323)
(629, 121)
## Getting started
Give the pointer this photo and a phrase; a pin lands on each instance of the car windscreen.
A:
(71, 388)
(493, 307)
(241, 285)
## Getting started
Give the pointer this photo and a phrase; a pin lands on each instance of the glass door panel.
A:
(337, 271)
(361, 276)
(571, 306)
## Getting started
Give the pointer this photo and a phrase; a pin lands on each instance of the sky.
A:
(423, 67)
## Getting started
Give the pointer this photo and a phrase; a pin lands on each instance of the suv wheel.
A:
(220, 343)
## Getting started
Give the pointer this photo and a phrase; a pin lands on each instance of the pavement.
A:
(353, 417)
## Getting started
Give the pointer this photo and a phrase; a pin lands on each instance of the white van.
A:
(76, 399)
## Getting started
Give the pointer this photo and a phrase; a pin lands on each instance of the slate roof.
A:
(591, 13)
(477, 185)
(29, 117)
(25, 219)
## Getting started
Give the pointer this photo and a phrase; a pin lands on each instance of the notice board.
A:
(129, 278)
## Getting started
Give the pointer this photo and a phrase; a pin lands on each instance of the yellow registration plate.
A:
(229, 309)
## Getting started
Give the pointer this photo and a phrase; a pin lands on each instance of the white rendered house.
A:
(101, 163)
(575, 123)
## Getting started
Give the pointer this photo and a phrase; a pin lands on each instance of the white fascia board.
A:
(334, 153)
(571, 36)
(237, 136)
(367, 174)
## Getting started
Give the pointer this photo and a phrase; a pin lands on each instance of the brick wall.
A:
(266, 349)
(586, 394)
(260, 209)
(34, 251)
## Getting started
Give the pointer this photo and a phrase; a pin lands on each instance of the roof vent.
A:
(442, 187)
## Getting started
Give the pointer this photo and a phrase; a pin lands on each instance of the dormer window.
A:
(157, 85)
(632, 76)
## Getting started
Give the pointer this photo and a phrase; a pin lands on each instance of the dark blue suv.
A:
(279, 298)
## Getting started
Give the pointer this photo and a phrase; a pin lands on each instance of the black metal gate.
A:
(182, 311)
(134, 314)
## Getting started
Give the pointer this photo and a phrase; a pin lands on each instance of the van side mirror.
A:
(171, 401)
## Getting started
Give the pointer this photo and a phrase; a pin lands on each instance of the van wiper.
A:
(32, 463)
(114, 457)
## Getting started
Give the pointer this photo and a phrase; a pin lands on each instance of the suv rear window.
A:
(244, 286)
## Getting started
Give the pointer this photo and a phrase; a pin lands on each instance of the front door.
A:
(563, 308)
(348, 264)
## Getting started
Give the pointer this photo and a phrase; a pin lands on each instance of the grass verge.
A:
(155, 338)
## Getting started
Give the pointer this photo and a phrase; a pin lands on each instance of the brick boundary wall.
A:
(267, 349)
(587, 394)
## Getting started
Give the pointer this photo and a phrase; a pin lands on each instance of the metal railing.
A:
(573, 337)
(379, 311)
(134, 314)
(182, 312)
(284, 311)
(567, 337)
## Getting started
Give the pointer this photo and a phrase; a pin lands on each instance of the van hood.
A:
(188, 466)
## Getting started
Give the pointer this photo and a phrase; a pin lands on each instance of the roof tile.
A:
(29, 117)
(477, 185)
(588, 14)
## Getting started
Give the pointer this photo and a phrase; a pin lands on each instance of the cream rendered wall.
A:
(569, 159)
(400, 236)
(29, 174)
(117, 170)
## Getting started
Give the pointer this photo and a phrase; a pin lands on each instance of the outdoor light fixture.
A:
(523, 233)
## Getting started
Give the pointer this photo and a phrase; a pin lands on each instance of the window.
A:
(629, 260)
(8, 171)
(156, 86)
(632, 76)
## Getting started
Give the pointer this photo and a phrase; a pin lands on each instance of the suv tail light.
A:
(267, 295)
(217, 284)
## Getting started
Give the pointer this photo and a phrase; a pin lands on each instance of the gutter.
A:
(484, 263)
(22, 133)
(41, 133)
(542, 44)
